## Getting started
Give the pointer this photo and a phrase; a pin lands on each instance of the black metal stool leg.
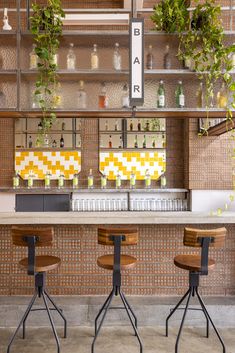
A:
(101, 310)
(182, 322)
(52, 323)
(59, 312)
(212, 323)
(102, 320)
(132, 322)
(175, 308)
(22, 320)
(131, 310)
(205, 314)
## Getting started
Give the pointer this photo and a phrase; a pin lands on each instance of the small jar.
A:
(30, 180)
(132, 181)
(61, 181)
(147, 179)
(103, 181)
(90, 180)
(118, 181)
(163, 181)
(75, 181)
(47, 180)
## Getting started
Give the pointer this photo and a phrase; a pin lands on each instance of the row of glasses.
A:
(151, 204)
(116, 204)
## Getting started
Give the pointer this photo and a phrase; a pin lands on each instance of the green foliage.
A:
(171, 16)
(46, 27)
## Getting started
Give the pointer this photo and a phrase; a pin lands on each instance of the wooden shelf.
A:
(221, 128)
(148, 149)
(59, 132)
(50, 149)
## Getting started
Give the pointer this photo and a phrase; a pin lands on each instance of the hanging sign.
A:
(136, 62)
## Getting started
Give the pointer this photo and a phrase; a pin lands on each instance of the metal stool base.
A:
(40, 292)
(107, 306)
(193, 289)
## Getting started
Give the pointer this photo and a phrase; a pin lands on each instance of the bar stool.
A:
(116, 262)
(197, 265)
(37, 266)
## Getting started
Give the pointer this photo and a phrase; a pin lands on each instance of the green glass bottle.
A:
(161, 101)
(179, 95)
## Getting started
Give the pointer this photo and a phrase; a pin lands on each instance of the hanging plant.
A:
(171, 16)
(46, 27)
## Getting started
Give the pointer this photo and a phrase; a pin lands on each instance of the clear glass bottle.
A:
(150, 58)
(57, 99)
(33, 59)
(71, 58)
(163, 180)
(116, 126)
(136, 142)
(125, 97)
(179, 95)
(61, 181)
(75, 181)
(16, 180)
(187, 63)
(56, 60)
(120, 142)
(117, 58)
(82, 96)
(161, 101)
(163, 140)
(54, 144)
(103, 98)
(94, 58)
(132, 180)
(118, 181)
(167, 58)
(90, 180)
(103, 181)
(30, 142)
(47, 180)
(222, 97)
(147, 179)
(30, 179)
(200, 96)
(153, 142)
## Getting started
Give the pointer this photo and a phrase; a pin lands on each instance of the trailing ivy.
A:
(46, 27)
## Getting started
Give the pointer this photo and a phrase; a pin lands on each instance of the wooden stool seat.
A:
(106, 261)
(42, 263)
(191, 262)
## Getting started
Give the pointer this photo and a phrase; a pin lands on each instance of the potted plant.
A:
(46, 27)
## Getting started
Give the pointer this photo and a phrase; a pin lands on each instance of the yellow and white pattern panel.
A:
(40, 162)
(137, 162)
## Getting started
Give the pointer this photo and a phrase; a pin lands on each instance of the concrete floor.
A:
(119, 340)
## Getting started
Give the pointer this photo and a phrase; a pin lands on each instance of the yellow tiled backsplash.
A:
(41, 162)
(127, 162)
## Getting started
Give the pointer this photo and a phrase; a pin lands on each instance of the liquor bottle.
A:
(30, 179)
(147, 179)
(167, 58)
(200, 96)
(147, 126)
(150, 58)
(47, 181)
(118, 181)
(132, 180)
(222, 97)
(103, 181)
(110, 141)
(120, 142)
(63, 126)
(125, 97)
(16, 180)
(163, 141)
(106, 125)
(144, 142)
(103, 99)
(33, 59)
(116, 127)
(179, 95)
(136, 142)
(61, 141)
(75, 180)
(153, 142)
(90, 180)
(30, 142)
(71, 58)
(117, 59)
(57, 99)
(54, 144)
(131, 125)
(139, 125)
(163, 180)
(61, 181)
(82, 96)
(94, 58)
(161, 101)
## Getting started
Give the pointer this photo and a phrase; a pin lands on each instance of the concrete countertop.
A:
(115, 218)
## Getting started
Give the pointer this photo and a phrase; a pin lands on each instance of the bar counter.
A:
(83, 218)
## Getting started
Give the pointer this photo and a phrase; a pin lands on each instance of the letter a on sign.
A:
(136, 62)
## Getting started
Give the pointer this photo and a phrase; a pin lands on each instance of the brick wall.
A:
(6, 151)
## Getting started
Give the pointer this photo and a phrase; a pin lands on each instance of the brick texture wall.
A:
(6, 151)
